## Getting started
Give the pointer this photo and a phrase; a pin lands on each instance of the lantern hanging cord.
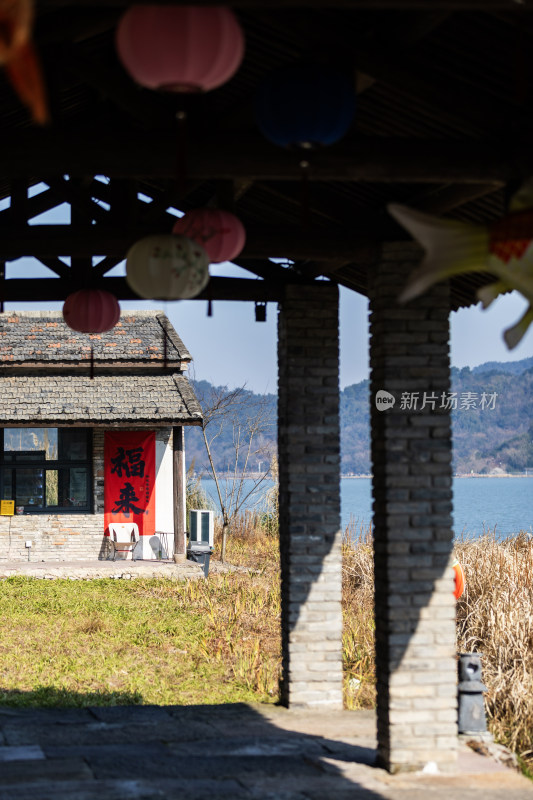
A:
(164, 322)
(2, 279)
(181, 159)
(306, 217)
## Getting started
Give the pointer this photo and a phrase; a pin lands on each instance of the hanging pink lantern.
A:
(91, 311)
(167, 267)
(180, 48)
(220, 233)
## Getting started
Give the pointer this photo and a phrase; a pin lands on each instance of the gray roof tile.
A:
(44, 372)
(105, 399)
(42, 337)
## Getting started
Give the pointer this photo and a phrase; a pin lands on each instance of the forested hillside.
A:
(492, 424)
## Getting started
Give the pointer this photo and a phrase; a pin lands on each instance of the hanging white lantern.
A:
(167, 267)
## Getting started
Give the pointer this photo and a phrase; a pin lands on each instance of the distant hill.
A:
(512, 367)
(499, 438)
(484, 439)
(224, 432)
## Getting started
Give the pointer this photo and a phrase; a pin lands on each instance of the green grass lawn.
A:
(109, 642)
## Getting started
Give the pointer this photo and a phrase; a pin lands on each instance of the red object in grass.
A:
(459, 580)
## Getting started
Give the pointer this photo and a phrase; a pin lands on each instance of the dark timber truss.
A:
(444, 123)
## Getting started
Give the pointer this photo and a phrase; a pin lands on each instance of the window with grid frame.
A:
(46, 470)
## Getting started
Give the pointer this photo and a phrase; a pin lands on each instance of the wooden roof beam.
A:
(45, 289)
(373, 160)
(398, 5)
(48, 241)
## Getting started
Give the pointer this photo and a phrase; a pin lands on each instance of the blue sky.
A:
(231, 349)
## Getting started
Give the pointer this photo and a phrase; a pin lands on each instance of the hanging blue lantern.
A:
(306, 105)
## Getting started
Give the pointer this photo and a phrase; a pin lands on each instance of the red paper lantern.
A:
(91, 311)
(220, 233)
(180, 48)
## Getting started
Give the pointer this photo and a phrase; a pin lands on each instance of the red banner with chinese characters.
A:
(129, 479)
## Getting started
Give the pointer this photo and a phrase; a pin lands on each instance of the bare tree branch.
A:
(249, 419)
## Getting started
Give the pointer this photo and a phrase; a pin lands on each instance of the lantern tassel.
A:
(209, 301)
(165, 349)
(91, 372)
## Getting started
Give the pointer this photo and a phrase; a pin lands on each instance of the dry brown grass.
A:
(255, 545)
(495, 618)
(358, 618)
(252, 542)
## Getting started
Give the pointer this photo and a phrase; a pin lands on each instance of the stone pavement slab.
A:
(91, 569)
(241, 751)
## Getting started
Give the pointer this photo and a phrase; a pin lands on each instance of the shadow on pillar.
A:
(412, 507)
(309, 500)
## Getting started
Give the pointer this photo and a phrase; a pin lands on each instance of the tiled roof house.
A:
(70, 405)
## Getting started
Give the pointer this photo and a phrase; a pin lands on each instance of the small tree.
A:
(250, 420)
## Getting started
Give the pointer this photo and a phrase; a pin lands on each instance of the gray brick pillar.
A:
(309, 502)
(412, 496)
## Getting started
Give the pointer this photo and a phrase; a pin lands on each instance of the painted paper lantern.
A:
(167, 267)
(220, 233)
(306, 105)
(180, 48)
(91, 311)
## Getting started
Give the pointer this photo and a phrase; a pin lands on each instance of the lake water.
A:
(502, 503)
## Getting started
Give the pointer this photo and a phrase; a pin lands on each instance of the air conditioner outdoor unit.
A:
(201, 527)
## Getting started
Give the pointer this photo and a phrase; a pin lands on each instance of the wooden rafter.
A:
(45, 241)
(448, 197)
(378, 160)
(115, 85)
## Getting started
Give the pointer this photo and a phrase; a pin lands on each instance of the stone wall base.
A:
(58, 537)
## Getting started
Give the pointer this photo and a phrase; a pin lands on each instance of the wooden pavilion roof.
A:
(444, 123)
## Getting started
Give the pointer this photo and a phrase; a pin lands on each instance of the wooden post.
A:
(178, 452)
(2, 284)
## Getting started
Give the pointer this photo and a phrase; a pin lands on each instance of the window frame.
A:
(51, 465)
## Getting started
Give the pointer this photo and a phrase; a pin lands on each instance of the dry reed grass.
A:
(358, 617)
(495, 618)
(253, 542)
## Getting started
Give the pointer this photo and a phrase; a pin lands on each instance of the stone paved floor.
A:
(242, 752)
